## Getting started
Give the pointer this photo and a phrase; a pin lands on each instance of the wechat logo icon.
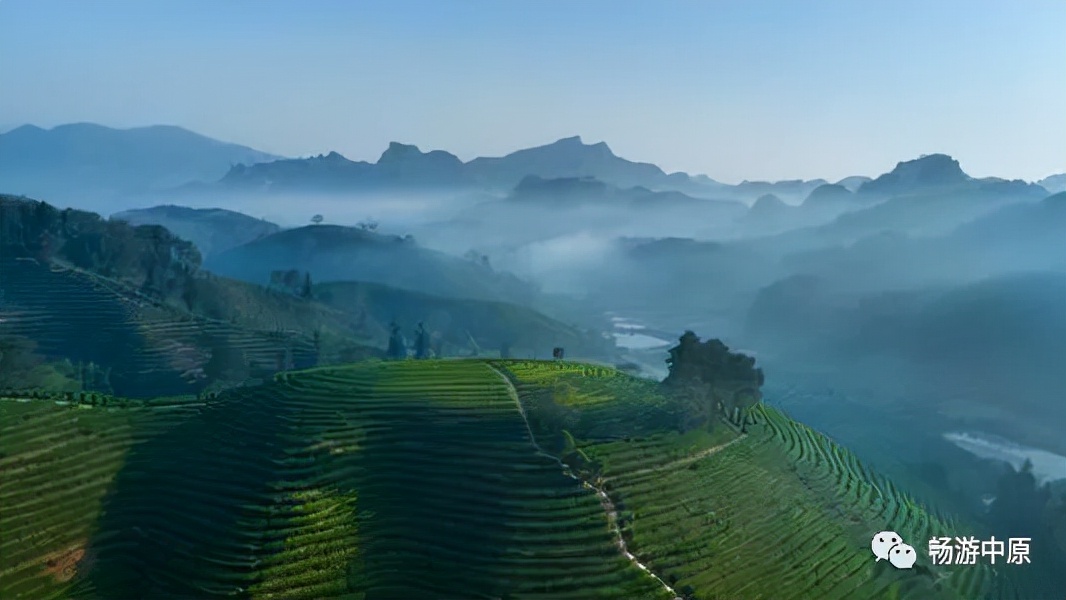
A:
(888, 545)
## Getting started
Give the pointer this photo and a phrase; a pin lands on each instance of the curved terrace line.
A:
(605, 500)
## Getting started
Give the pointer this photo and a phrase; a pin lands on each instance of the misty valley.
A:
(532, 300)
(270, 357)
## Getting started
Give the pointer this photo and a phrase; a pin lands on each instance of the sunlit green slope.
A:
(442, 479)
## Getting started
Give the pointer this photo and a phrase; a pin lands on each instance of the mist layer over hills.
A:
(921, 299)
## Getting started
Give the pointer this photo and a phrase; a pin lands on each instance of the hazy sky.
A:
(736, 90)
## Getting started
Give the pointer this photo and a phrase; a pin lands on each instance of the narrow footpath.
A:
(605, 500)
(680, 462)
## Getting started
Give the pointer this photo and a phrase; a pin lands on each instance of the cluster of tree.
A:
(234, 361)
(709, 381)
(147, 257)
(23, 367)
(93, 377)
(73, 397)
(292, 281)
(1025, 508)
(398, 348)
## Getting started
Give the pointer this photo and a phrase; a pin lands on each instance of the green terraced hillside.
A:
(442, 479)
(150, 347)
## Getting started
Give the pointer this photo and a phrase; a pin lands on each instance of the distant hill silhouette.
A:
(69, 162)
(1054, 183)
(789, 190)
(929, 171)
(318, 172)
(400, 166)
(770, 214)
(563, 190)
(407, 162)
(1008, 319)
(770, 211)
(212, 230)
(853, 182)
(403, 165)
(828, 194)
(1030, 231)
(927, 196)
(93, 165)
(336, 253)
(566, 158)
(573, 191)
(768, 204)
(1016, 236)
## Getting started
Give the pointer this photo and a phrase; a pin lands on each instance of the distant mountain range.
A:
(770, 214)
(403, 165)
(72, 162)
(574, 191)
(930, 194)
(1016, 237)
(407, 166)
(85, 163)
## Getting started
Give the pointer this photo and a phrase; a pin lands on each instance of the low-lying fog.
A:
(1047, 466)
(938, 284)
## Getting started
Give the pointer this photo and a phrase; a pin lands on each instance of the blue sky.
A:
(735, 90)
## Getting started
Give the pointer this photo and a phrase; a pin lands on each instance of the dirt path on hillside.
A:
(605, 500)
(680, 462)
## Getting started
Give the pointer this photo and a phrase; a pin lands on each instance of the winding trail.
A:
(683, 460)
(605, 500)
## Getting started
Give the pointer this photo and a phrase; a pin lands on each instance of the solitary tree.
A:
(707, 379)
(421, 342)
(316, 219)
(306, 290)
(397, 344)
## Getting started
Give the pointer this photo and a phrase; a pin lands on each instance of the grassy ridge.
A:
(782, 512)
(57, 463)
(419, 479)
(457, 494)
(378, 480)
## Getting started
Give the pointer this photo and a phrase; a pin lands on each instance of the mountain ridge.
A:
(62, 163)
(77, 160)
